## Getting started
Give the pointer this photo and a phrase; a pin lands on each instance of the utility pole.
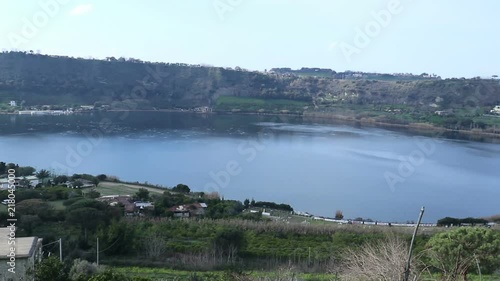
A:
(60, 250)
(97, 251)
(407, 269)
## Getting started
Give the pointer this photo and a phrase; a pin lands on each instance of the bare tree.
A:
(154, 246)
(381, 261)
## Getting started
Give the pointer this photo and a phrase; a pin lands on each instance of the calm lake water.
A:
(318, 168)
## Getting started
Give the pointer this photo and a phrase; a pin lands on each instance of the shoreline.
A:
(413, 127)
(418, 127)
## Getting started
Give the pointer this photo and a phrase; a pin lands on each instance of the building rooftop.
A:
(25, 246)
(188, 207)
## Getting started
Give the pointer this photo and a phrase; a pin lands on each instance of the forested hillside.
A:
(41, 80)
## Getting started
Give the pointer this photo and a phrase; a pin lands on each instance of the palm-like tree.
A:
(43, 174)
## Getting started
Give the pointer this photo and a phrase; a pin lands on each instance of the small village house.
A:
(115, 200)
(4, 183)
(31, 180)
(130, 208)
(443, 112)
(28, 250)
(84, 184)
(495, 110)
(189, 210)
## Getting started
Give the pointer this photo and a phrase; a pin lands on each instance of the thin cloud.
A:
(81, 9)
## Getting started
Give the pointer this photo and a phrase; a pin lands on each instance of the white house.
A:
(143, 205)
(496, 110)
(4, 183)
(33, 181)
(13, 103)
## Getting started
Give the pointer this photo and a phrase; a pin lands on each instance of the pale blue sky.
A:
(452, 38)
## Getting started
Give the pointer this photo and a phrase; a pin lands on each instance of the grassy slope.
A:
(112, 188)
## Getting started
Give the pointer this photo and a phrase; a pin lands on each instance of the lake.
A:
(319, 168)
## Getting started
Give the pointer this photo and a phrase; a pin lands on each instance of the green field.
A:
(167, 274)
(58, 205)
(112, 188)
(171, 274)
(245, 104)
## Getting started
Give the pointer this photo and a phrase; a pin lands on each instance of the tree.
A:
(93, 194)
(228, 242)
(28, 223)
(142, 194)
(154, 246)
(119, 238)
(272, 205)
(339, 215)
(33, 207)
(60, 179)
(54, 193)
(218, 209)
(3, 168)
(77, 184)
(12, 166)
(25, 171)
(25, 183)
(182, 188)
(246, 203)
(95, 181)
(448, 221)
(87, 218)
(50, 269)
(455, 253)
(43, 174)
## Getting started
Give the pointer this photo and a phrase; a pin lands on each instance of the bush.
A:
(54, 193)
(379, 261)
(86, 203)
(456, 252)
(110, 275)
(50, 269)
(93, 194)
(82, 270)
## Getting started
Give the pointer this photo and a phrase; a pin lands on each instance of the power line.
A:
(60, 247)
(92, 252)
(57, 241)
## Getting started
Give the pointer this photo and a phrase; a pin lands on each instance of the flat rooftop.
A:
(25, 246)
